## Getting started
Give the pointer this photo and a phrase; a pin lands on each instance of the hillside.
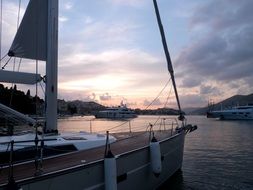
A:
(20, 101)
(227, 103)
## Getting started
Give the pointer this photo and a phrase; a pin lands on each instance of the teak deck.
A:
(123, 144)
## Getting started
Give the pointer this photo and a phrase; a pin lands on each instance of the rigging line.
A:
(133, 136)
(158, 94)
(36, 93)
(167, 55)
(6, 62)
(3, 56)
(1, 17)
(19, 8)
(146, 107)
(19, 64)
(14, 60)
(118, 125)
(12, 93)
(167, 100)
(42, 88)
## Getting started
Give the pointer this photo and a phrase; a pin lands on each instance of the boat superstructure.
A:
(120, 112)
(235, 113)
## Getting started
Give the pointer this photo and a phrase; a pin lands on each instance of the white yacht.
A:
(235, 113)
(120, 112)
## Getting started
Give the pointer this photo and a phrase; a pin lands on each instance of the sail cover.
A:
(19, 77)
(31, 38)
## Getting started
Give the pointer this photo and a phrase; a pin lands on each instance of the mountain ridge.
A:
(232, 101)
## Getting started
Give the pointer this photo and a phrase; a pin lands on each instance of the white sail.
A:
(31, 38)
(37, 38)
(19, 77)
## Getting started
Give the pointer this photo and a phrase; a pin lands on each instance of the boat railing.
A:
(38, 159)
(161, 124)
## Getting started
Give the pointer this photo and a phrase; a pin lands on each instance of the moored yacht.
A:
(235, 113)
(120, 112)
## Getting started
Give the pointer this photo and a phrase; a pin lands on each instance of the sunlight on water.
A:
(218, 155)
(89, 123)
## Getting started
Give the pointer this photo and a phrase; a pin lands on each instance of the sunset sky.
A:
(111, 50)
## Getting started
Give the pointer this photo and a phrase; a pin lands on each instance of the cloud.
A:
(68, 5)
(189, 82)
(156, 102)
(120, 45)
(105, 97)
(120, 68)
(133, 3)
(63, 19)
(9, 23)
(229, 14)
(222, 55)
(192, 100)
(206, 89)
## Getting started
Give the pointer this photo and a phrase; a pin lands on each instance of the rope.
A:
(158, 94)
(19, 8)
(42, 88)
(6, 62)
(3, 56)
(167, 100)
(19, 64)
(14, 60)
(1, 21)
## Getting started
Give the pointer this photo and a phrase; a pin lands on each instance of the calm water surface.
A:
(219, 155)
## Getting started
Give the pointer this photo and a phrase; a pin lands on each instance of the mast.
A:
(51, 67)
(37, 38)
(169, 63)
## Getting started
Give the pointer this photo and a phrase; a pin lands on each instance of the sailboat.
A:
(126, 160)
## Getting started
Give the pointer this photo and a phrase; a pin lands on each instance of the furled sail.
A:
(31, 38)
(19, 77)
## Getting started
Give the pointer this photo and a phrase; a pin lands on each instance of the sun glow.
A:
(100, 83)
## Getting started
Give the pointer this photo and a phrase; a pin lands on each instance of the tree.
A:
(28, 93)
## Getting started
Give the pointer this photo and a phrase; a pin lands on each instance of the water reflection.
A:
(218, 155)
(176, 182)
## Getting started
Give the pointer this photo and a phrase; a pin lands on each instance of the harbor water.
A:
(218, 155)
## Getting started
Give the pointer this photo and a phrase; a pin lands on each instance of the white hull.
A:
(115, 116)
(133, 170)
(120, 112)
(54, 145)
(237, 113)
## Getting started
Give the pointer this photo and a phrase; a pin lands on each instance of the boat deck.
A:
(125, 142)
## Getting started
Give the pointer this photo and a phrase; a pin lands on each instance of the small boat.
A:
(120, 112)
(235, 113)
(123, 160)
